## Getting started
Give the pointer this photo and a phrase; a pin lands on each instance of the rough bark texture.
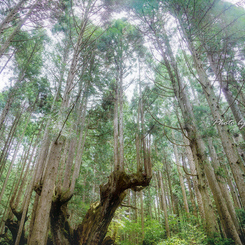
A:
(93, 229)
(60, 228)
(163, 196)
(196, 143)
(229, 147)
(43, 209)
(181, 178)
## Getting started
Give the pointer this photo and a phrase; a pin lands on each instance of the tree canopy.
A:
(122, 122)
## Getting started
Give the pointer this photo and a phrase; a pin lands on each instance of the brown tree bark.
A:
(94, 226)
(223, 185)
(40, 227)
(230, 149)
(11, 15)
(17, 28)
(197, 145)
(180, 177)
(163, 196)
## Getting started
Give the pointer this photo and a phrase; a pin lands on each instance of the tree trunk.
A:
(115, 125)
(223, 185)
(39, 231)
(195, 179)
(180, 177)
(164, 204)
(228, 95)
(11, 15)
(93, 229)
(142, 216)
(197, 145)
(121, 154)
(169, 184)
(190, 188)
(232, 154)
(17, 28)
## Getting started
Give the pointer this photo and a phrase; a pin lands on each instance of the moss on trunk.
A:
(93, 229)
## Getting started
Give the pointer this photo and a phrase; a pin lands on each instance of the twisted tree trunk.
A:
(93, 229)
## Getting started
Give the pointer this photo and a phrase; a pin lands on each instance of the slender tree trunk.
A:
(17, 28)
(11, 15)
(14, 157)
(116, 155)
(232, 154)
(121, 154)
(142, 216)
(190, 189)
(180, 177)
(228, 95)
(8, 144)
(195, 180)
(223, 186)
(197, 145)
(164, 204)
(232, 188)
(169, 183)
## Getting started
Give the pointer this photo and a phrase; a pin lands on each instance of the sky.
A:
(6, 74)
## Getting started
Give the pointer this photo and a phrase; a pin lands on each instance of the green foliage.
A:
(154, 232)
(185, 230)
(219, 241)
(190, 234)
(174, 241)
(130, 227)
(241, 216)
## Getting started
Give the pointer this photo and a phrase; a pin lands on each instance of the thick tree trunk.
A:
(93, 229)
(40, 227)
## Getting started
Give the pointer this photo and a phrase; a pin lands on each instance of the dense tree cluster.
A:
(122, 130)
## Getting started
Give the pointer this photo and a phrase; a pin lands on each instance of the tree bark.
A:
(93, 229)
(230, 149)
(164, 204)
(197, 145)
(180, 177)
(40, 227)
(17, 28)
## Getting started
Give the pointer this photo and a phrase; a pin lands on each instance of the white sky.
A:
(6, 74)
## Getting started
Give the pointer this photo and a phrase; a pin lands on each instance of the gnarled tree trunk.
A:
(93, 229)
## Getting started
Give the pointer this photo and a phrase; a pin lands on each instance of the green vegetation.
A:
(122, 122)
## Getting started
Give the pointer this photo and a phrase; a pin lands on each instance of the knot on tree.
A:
(38, 188)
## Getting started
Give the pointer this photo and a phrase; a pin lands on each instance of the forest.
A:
(122, 122)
